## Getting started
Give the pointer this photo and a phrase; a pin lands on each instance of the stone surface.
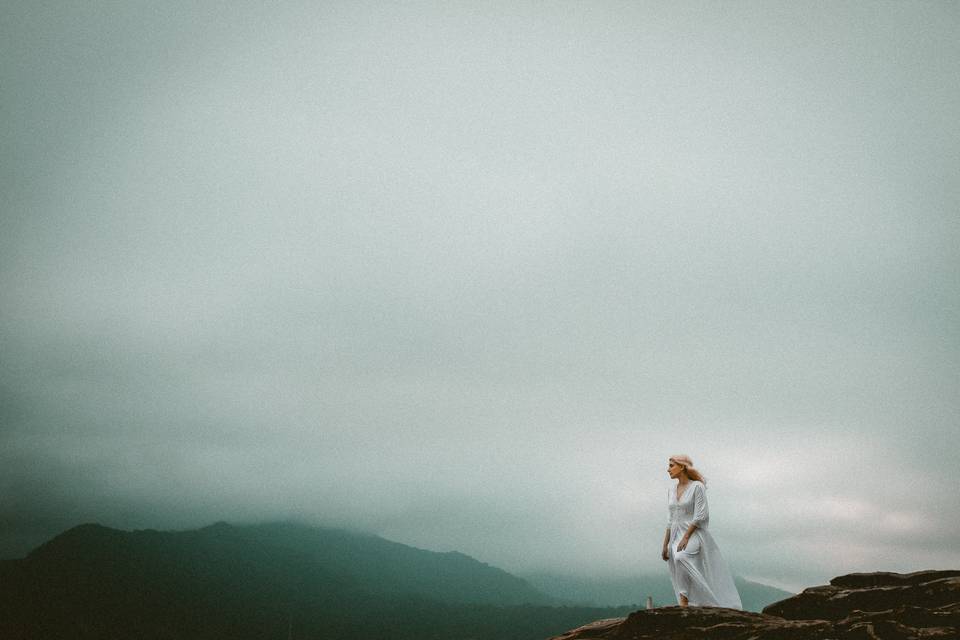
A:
(885, 578)
(924, 605)
(876, 592)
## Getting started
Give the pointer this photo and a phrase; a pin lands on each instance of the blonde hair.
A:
(684, 461)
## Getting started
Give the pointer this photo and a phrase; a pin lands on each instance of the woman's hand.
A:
(665, 555)
(683, 543)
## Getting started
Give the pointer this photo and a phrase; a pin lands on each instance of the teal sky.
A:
(466, 274)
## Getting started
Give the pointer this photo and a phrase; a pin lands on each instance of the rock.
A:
(715, 623)
(593, 630)
(879, 592)
(918, 617)
(924, 605)
(887, 579)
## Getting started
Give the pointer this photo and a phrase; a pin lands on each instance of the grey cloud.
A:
(466, 277)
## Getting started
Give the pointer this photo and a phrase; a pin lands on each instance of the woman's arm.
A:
(700, 512)
(666, 536)
(700, 515)
(686, 536)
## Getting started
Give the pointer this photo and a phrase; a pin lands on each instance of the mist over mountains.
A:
(257, 581)
(466, 274)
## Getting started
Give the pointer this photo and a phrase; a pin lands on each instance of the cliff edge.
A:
(923, 605)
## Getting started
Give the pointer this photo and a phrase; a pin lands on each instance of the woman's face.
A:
(674, 469)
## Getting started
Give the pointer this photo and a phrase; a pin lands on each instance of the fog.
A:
(465, 275)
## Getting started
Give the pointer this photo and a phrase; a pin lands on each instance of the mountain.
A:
(390, 567)
(310, 556)
(756, 596)
(633, 590)
(272, 580)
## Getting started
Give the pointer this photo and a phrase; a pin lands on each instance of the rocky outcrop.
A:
(924, 605)
(714, 623)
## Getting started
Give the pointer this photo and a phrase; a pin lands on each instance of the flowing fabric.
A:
(699, 571)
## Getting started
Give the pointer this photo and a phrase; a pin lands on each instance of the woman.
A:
(699, 573)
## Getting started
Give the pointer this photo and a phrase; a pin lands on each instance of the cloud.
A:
(467, 278)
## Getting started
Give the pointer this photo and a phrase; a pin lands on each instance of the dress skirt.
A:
(699, 571)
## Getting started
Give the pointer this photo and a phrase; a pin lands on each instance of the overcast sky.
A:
(465, 275)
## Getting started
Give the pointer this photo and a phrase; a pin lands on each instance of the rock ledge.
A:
(924, 605)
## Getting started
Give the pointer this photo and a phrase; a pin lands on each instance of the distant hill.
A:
(273, 580)
(262, 554)
(633, 590)
(756, 596)
(383, 566)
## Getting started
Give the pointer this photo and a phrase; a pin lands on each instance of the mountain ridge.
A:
(359, 557)
(269, 580)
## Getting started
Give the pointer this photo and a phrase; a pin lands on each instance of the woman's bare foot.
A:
(684, 601)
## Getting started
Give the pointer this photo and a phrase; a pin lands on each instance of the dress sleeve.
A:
(701, 515)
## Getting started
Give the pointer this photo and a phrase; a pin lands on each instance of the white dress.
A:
(699, 571)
